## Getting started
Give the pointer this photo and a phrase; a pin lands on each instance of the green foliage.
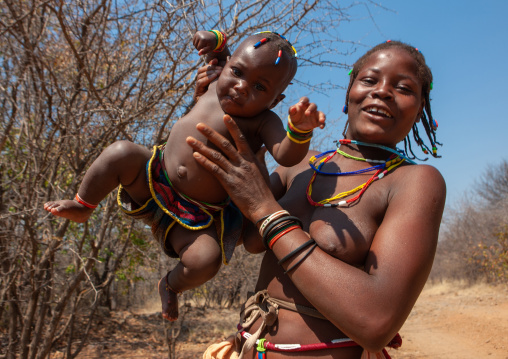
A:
(71, 269)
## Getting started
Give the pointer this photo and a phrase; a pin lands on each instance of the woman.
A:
(355, 247)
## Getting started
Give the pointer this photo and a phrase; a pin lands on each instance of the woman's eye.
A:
(405, 88)
(368, 80)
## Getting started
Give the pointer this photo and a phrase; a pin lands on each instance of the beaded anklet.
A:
(84, 203)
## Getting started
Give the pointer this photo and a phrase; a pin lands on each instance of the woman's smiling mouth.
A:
(375, 110)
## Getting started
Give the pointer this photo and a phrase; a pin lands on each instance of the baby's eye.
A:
(236, 72)
(259, 87)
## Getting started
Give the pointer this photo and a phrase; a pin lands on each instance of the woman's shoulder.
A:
(424, 171)
(420, 181)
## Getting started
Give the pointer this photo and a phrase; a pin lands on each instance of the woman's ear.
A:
(277, 100)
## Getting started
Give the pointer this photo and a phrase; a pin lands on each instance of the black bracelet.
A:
(289, 255)
(301, 259)
(278, 221)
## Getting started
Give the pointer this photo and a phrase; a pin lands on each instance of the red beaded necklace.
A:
(390, 164)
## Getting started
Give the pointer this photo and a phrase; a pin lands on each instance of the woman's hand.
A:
(238, 171)
(206, 74)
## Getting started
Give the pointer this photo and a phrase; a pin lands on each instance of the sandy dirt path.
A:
(450, 321)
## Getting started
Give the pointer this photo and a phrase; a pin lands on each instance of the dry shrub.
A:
(473, 241)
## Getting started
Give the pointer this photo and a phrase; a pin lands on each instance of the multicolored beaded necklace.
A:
(396, 159)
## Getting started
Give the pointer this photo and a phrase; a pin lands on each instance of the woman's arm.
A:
(368, 305)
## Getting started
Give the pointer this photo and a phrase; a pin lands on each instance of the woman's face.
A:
(385, 99)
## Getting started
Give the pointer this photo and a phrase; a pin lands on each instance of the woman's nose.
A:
(382, 90)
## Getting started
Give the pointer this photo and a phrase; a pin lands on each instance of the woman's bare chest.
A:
(344, 232)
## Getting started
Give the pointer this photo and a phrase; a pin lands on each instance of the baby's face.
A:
(251, 83)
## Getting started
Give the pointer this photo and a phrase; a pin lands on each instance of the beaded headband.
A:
(265, 40)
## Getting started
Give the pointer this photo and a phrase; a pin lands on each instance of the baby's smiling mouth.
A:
(375, 110)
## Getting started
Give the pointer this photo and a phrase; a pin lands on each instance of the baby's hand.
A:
(204, 42)
(206, 74)
(305, 116)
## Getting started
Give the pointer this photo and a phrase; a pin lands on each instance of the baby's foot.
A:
(69, 209)
(169, 299)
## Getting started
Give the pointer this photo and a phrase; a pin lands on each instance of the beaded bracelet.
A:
(85, 203)
(296, 135)
(294, 129)
(261, 219)
(279, 235)
(296, 140)
(277, 226)
(221, 40)
(270, 218)
(274, 228)
(277, 229)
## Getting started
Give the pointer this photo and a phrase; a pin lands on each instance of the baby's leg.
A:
(123, 163)
(200, 260)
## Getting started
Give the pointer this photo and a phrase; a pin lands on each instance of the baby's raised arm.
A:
(289, 147)
(213, 45)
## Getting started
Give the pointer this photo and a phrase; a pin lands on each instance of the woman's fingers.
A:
(242, 146)
(211, 159)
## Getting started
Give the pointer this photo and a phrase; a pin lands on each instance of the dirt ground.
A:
(454, 321)
(449, 321)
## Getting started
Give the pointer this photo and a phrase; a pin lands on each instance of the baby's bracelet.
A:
(295, 139)
(296, 135)
(85, 203)
(221, 40)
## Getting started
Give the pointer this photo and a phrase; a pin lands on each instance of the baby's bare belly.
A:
(187, 175)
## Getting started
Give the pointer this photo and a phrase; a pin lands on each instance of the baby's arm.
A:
(288, 149)
(206, 42)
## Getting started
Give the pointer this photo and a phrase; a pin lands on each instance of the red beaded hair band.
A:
(264, 40)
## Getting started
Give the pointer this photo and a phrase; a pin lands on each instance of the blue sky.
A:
(465, 44)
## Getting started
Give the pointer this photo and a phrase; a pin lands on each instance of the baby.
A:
(167, 186)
